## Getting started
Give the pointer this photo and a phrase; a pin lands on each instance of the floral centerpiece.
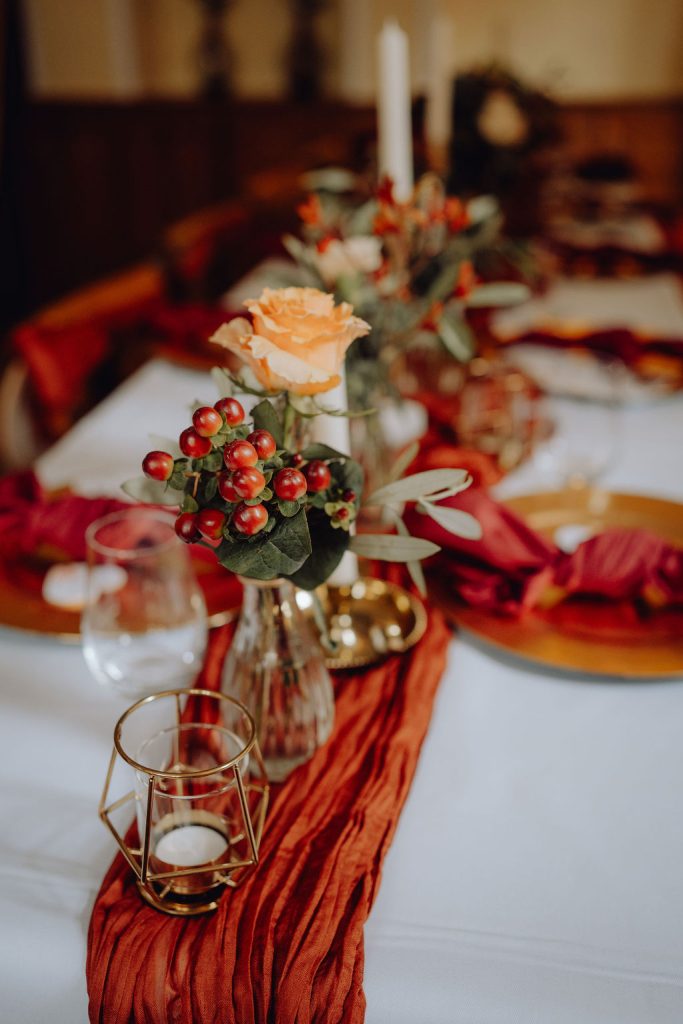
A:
(408, 268)
(278, 510)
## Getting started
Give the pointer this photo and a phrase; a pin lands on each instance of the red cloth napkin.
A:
(31, 521)
(618, 342)
(512, 567)
(287, 946)
(72, 367)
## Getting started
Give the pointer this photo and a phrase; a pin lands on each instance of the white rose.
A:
(358, 255)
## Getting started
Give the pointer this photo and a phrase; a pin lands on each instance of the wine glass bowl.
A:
(144, 622)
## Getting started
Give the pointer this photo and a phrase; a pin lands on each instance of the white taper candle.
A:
(394, 127)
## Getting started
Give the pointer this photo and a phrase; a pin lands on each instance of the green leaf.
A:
(410, 488)
(222, 381)
(189, 504)
(503, 293)
(322, 451)
(265, 418)
(348, 476)
(212, 462)
(462, 524)
(403, 461)
(210, 488)
(391, 548)
(482, 208)
(288, 508)
(165, 444)
(414, 568)
(178, 480)
(152, 492)
(279, 553)
(328, 548)
(457, 336)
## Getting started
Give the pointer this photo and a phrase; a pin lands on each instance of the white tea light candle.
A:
(189, 846)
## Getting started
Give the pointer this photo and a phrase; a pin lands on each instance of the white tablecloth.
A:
(537, 870)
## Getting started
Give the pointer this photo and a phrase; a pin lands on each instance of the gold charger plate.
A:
(585, 636)
(23, 607)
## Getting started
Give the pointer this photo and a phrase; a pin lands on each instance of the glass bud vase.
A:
(276, 668)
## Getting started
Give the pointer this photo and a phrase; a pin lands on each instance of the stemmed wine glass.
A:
(144, 623)
(578, 424)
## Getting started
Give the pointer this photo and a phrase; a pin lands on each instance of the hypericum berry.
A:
(264, 443)
(318, 476)
(238, 454)
(248, 482)
(207, 422)
(186, 527)
(210, 523)
(297, 459)
(343, 513)
(226, 488)
(231, 409)
(349, 496)
(192, 445)
(157, 465)
(289, 484)
(250, 519)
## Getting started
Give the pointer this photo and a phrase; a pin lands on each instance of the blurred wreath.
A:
(499, 124)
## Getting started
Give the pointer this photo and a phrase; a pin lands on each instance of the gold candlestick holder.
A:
(200, 794)
(365, 621)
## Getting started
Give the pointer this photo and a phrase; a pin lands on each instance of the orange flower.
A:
(385, 222)
(297, 341)
(455, 214)
(311, 211)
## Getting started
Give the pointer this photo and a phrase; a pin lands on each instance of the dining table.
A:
(536, 874)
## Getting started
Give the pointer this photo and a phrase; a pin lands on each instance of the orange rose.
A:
(297, 341)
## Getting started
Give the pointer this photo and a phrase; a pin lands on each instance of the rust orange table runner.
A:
(287, 947)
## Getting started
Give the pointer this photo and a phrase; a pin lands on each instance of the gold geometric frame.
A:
(227, 873)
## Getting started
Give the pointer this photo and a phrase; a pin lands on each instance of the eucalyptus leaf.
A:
(460, 523)
(279, 553)
(165, 444)
(410, 488)
(414, 568)
(456, 335)
(151, 492)
(266, 418)
(392, 548)
(321, 451)
(404, 460)
(504, 293)
(222, 381)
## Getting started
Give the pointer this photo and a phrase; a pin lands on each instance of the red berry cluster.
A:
(234, 478)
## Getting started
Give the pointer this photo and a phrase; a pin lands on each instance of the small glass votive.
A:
(200, 793)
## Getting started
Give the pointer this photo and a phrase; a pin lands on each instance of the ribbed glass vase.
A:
(276, 668)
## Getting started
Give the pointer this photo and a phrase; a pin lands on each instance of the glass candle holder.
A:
(144, 621)
(200, 793)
